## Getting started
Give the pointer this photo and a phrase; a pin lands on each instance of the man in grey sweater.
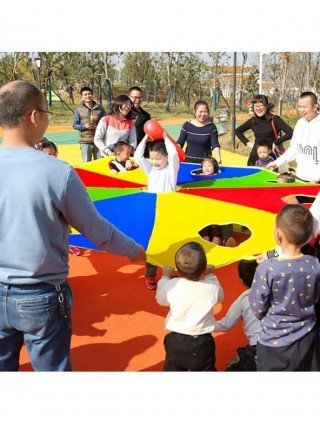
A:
(39, 197)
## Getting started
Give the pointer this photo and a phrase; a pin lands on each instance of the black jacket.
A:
(142, 117)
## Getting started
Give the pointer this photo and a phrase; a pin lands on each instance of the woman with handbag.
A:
(265, 126)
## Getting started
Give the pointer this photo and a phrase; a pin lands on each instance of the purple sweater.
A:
(283, 296)
(263, 163)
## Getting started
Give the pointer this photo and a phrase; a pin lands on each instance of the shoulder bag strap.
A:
(276, 135)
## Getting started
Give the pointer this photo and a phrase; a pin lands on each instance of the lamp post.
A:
(233, 108)
(38, 62)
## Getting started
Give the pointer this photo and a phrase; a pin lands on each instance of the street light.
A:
(38, 62)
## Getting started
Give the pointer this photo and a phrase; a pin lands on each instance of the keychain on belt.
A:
(63, 310)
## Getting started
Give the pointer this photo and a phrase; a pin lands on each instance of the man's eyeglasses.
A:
(49, 114)
(136, 97)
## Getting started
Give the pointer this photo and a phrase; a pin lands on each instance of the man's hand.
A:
(250, 145)
(168, 271)
(89, 126)
(271, 166)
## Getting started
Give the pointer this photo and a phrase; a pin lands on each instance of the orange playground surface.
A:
(117, 324)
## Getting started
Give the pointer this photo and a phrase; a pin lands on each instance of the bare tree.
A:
(217, 58)
(285, 58)
(244, 61)
(170, 56)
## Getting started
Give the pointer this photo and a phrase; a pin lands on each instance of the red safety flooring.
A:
(117, 324)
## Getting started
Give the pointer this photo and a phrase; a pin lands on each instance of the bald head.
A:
(17, 99)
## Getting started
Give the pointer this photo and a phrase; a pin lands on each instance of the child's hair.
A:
(296, 222)
(158, 145)
(246, 271)
(119, 147)
(191, 260)
(46, 144)
(264, 143)
(214, 163)
(286, 178)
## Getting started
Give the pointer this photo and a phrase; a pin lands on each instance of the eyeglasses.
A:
(136, 97)
(49, 114)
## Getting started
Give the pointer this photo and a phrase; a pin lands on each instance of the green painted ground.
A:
(71, 137)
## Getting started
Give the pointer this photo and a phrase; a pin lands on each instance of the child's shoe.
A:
(151, 282)
(230, 242)
(217, 240)
(75, 251)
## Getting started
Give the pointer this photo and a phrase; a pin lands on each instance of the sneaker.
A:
(151, 282)
(216, 240)
(75, 251)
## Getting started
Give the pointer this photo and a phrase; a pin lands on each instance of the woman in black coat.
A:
(265, 126)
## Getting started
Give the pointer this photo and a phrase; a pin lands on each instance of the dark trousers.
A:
(224, 232)
(245, 361)
(194, 353)
(302, 355)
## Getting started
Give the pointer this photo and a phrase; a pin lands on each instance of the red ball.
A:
(153, 129)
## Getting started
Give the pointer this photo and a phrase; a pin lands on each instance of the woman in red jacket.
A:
(115, 127)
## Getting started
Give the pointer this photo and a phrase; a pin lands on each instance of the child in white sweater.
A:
(162, 171)
(191, 298)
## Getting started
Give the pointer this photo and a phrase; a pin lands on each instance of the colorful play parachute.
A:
(163, 222)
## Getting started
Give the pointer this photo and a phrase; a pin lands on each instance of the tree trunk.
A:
(169, 80)
(155, 91)
(286, 59)
(244, 60)
(105, 62)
